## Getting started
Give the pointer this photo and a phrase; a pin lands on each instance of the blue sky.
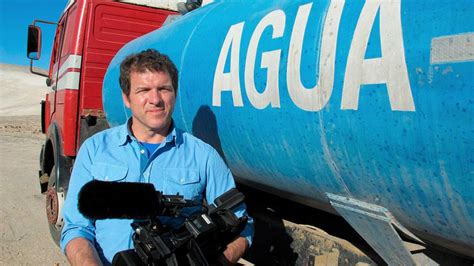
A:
(15, 16)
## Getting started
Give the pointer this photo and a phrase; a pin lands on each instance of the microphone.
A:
(126, 200)
(120, 200)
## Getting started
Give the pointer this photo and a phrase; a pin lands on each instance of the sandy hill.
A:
(20, 91)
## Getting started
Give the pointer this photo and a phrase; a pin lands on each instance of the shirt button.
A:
(145, 174)
(142, 151)
(182, 180)
(106, 178)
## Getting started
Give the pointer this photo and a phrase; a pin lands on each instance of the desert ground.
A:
(24, 233)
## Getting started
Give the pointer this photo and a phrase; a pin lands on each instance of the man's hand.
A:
(80, 251)
(236, 249)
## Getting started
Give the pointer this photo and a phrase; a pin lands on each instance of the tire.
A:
(54, 204)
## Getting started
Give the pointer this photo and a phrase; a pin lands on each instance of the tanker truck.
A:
(363, 109)
(88, 35)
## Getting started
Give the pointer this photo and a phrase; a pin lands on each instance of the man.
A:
(148, 148)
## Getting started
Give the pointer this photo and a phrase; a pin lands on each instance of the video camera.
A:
(199, 240)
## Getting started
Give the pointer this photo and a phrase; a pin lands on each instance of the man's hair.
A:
(150, 60)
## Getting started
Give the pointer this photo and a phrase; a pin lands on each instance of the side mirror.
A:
(33, 50)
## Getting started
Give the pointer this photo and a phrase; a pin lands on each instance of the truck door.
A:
(56, 61)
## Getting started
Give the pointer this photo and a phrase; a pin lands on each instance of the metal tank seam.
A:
(450, 193)
(324, 143)
(327, 154)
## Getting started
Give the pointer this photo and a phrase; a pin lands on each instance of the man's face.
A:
(151, 100)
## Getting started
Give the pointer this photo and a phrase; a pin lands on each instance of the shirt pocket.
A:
(109, 172)
(186, 182)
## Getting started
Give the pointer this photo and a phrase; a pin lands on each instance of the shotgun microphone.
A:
(121, 200)
(128, 200)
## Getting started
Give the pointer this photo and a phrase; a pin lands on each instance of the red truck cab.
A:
(88, 35)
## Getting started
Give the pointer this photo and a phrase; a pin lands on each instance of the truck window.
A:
(55, 54)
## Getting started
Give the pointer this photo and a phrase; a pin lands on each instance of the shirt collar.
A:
(125, 135)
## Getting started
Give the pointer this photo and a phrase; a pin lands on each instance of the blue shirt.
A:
(150, 147)
(182, 164)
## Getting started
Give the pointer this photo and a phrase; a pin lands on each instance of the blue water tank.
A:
(372, 101)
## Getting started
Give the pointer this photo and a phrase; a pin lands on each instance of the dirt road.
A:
(24, 233)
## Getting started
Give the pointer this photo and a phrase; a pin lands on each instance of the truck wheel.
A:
(54, 205)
